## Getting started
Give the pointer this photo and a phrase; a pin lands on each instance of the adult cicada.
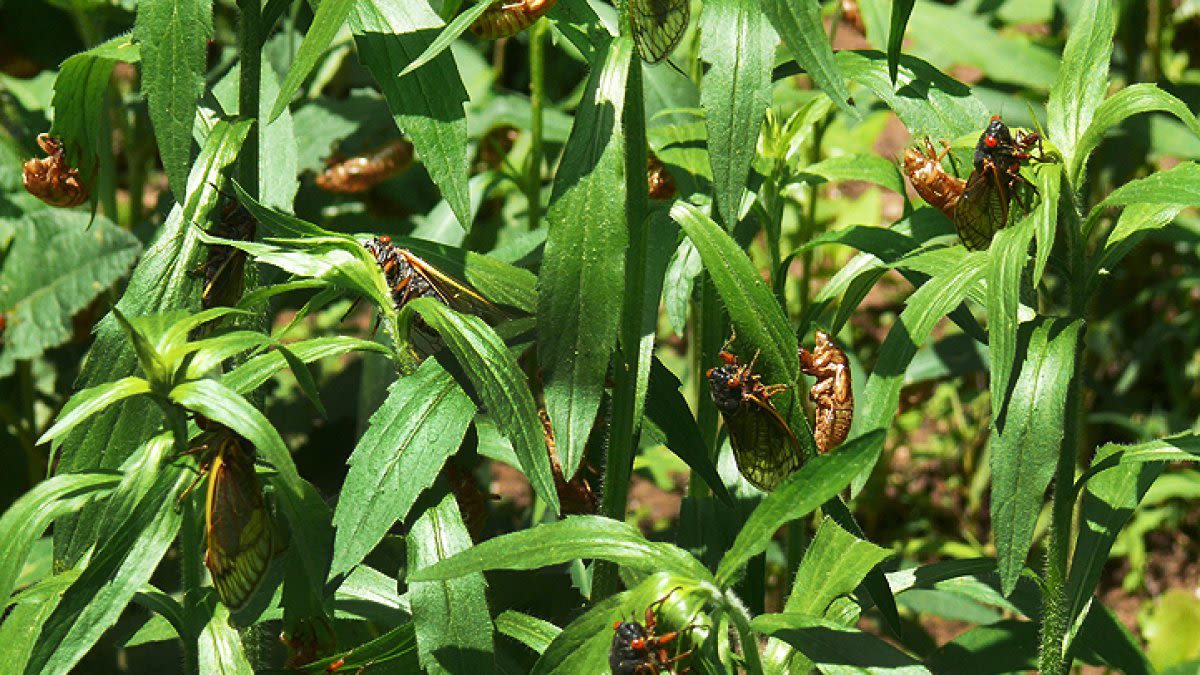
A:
(237, 525)
(637, 648)
(764, 447)
(831, 394)
(363, 172)
(995, 182)
(224, 270)
(923, 166)
(506, 18)
(51, 179)
(658, 26)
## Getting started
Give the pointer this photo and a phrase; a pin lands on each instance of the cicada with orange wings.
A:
(923, 166)
(763, 445)
(995, 182)
(658, 26)
(506, 18)
(831, 393)
(237, 524)
(51, 179)
(363, 172)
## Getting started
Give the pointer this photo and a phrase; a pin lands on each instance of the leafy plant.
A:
(391, 556)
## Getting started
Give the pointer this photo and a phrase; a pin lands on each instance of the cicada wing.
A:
(238, 528)
(763, 445)
(658, 26)
(982, 210)
(453, 293)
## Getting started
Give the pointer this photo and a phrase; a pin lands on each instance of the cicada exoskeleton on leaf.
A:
(763, 445)
(995, 182)
(506, 18)
(363, 172)
(923, 166)
(831, 394)
(237, 524)
(51, 179)
(224, 270)
(658, 26)
(638, 649)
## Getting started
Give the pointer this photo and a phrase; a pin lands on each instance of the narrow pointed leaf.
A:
(898, 21)
(799, 24)
(330, 16)
(1082, 80)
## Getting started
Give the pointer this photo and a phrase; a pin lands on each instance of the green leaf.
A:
(582, 278)
(254, 372)
(160, 282)
(897, 22)
(574, 537)
(220, 645)
(528, 630)
(421, 423)
(833, 565)
(1026, 441)
(453, 627)
(447, 36)
(500, 383)
(1049, 181)
(871, 168)
(55, 267)
(29, 516)
(326, 23)
(1179, 185)
(818, 481)
(932, 301)
(929, 102)
(279, 166)
(668, 410)
(395, 650)
(1136, 223)
(173, 36)
(428, 104)
(834, 646)
(1007, 257)
(1009, 645)
(735, 93)
(92, 400)
(120, 567)
(799, 24)
(757, 318)
(1136, 98)
(1081, 83)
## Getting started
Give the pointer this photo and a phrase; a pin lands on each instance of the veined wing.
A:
(763, 445)
(658, 26)
(237, 524)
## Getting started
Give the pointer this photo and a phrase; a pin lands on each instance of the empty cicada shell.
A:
(659, 180)
(51, 179)
(831, 393)
(506, 18)
(363, 172)
(923, 166)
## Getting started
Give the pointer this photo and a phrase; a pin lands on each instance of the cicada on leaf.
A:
(923, 166)
(658, 26)
(659, 182)
(51, 179)
(764, 447)
(506, 18)
(237, 524)
(831, 394)
(224, 270)
(995, 182)
(638, 649)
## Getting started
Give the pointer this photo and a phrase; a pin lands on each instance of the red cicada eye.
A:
(990, 141)
(728, 358)
(735, 382)
(709, 372)
(385, 239)
(637, 643)
(616, 625)
(995, 118)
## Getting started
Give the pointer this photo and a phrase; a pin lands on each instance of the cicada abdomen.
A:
(363, 172)
(832, 393)
(506, 18)
(923, 166)
(51, 179)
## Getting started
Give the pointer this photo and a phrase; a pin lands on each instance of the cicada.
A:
(365, 171)
(506, 18)
(237, 525)
(923, 166)
(638, 650)
(658, 26)
(831, 393)
(472, 502)
(764, 447)
(409, 277)
(995, 182)
(224, 270)
(51, 179)
(575, 496)
(659, 180)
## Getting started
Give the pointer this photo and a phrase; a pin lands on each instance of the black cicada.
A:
(764, 447)
(638, 650)
(994, 183)
(225, 269)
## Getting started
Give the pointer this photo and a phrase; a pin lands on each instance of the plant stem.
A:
(250, 57)
(189, 542)
(537, 96)
(626, 415)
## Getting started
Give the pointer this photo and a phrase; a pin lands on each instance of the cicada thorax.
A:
(832, 394)
(506, 18)
(995, 182)
(363, 172)
(224, 269)
(658, 179)
(238, 532)
(923, 166)
(763, 445)
(51, 179)
(658, 26)
(638, 649)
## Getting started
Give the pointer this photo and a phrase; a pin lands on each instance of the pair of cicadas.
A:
(981, 205)
(637, 648)
(363, 172)
(763, 445)
(52, 179)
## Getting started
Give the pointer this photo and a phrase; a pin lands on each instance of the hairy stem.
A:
(537, 102)
(250, 57)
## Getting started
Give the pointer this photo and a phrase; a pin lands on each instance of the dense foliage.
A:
(289, 289)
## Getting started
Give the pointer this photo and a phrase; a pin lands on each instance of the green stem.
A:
(537, 97)
(707, 335)
(626, 415)
(249, 84)
(190, 545)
